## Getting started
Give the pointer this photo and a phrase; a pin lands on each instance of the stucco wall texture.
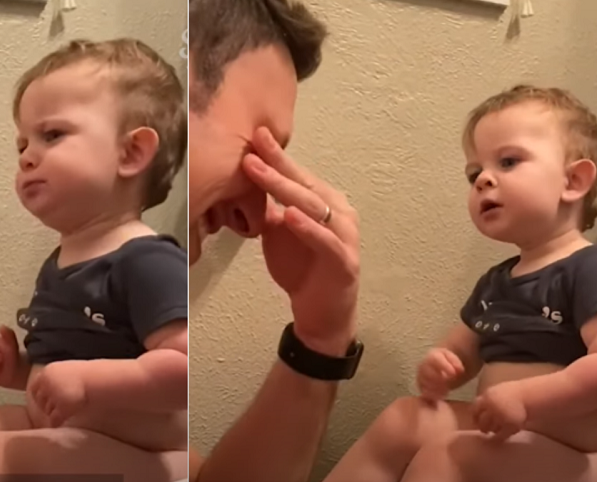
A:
(26, 34)
(382, 120)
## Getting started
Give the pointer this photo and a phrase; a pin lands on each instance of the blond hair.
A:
(578, 122)
(151, 94)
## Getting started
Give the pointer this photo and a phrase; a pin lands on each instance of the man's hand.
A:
(436, 372)
(59, 390)
(317, 263)
(501, 410)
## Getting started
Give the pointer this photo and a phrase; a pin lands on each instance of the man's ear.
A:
(140, 147)
(580, 177)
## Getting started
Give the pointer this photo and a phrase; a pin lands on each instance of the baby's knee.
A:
(457, 452)
(413, 422)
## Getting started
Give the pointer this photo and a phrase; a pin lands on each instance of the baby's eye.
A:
(472, 177)
(52, 135)
(508, 162)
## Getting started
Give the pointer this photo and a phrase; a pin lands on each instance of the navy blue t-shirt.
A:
(106, 307)
(537, 317)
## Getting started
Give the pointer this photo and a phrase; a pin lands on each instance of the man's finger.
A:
(272, 154)
(320, 239)
(283, 189)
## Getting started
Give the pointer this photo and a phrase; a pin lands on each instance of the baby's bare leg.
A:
(14, 417)
(383, 453)
(526, 457)
(79, 452)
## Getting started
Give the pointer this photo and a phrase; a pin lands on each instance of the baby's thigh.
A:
(525, 457)
(389, 444)
(422, 421)
(580, 433)
(409, 423)
(74, 452)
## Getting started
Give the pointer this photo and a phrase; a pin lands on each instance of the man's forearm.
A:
(570, 392)
(278, 437)
(154, 382)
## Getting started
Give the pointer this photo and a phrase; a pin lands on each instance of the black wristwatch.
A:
(312, 364)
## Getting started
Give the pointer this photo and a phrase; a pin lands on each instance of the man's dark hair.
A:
(220, 31)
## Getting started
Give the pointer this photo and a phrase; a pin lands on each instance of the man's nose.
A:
(246, 217)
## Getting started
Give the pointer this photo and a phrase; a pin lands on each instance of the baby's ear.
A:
(139, 149)
(580, 177)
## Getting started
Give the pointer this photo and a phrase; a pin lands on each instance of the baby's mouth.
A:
(487, 206)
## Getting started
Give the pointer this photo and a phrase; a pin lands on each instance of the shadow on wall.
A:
(11, 8)
(459, 7)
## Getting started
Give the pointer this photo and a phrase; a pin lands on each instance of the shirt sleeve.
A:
(152, 282)
(473, 306)
(584, 287)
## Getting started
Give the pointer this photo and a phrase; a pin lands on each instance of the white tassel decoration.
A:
(521, 9)
(527, 9)
(68, 5)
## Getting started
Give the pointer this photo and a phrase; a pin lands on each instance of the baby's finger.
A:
(504, 433)
(432, 389)
(56, 418)
(477, 409)
(429, 372)
(439, 364)
(485, 422)
(454, 361)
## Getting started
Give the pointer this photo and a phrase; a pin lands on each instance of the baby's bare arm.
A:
(154, 382)
(464, 342)
(572, 391)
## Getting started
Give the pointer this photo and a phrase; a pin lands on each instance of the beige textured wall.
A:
(382, 120)
(26, 33)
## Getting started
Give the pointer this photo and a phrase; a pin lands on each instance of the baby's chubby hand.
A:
(436, 372)
(59, 390)
(501, 410)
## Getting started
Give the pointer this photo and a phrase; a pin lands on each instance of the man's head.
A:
(98, 123)
(246, 59)
(531, 155)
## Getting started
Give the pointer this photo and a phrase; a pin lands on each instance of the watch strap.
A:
(312, 364)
